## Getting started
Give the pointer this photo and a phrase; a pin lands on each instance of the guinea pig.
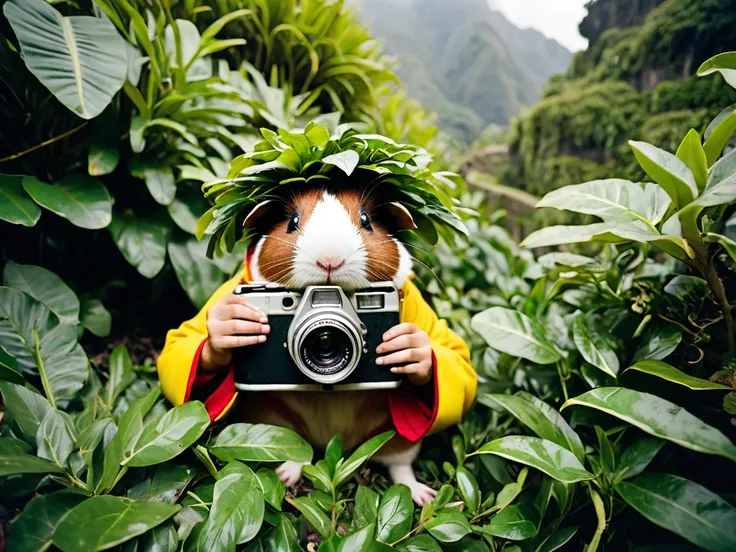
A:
(344, 237)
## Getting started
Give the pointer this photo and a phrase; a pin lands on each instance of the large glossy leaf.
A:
(162, 538)
(197, 274)
(691, 153)
(358, 541)
(361, 455)
(272, 487)
(27, 325)
(120, 374)
(557, 540)
(260, 443)
(56, 437)
(102, 522)
(142, 241)
(89, 58)
(95, 317)
(668, 171)
(657, 417)
(314, 515)
(158, 177)
(24, 408)
(166, 485)
(282, 538)
(102, 159)
(595, 343)
(448, 526)
(366, 506)
(517, 522)
(612, 199)
(658, 342)
(168, 437)
(15, 205)
(718, 193)
(81, 199)
(686, 508)
(44, 286)
(33, 529)
(14, 459)
(237, 510)
(540, 417)
(548, 457)
(724, 63)
(421, 543)
(468, 488)
(394, 514)
(670, 373)
(514, 333)
(186, 208)
(345, 160)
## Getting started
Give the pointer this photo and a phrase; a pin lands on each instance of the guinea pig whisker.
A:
(425, 265)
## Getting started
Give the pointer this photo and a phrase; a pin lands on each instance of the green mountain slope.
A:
(463, 60)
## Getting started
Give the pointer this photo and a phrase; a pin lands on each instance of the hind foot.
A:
(403, 474)
(290, 472)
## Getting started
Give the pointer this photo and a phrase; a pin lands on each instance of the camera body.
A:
(320, 339)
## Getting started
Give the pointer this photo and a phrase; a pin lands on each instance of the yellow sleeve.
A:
(455, 379)
(177, 364)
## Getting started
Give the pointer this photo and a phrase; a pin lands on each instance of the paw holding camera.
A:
(325, 334)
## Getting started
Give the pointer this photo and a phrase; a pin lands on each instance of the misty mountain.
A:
(463, 60)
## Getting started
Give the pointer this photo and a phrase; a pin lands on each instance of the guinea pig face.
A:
(339, 238)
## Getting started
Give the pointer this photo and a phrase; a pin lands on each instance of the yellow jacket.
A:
(454, 377)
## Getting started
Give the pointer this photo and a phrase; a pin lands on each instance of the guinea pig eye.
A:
(365, 222)
(293, 223)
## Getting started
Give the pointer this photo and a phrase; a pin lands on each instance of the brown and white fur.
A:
(332, 244)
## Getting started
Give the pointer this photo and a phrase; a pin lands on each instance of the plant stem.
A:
(716, 286)
(562, 379)
(42, 371)
(600, 512)
(409, 534)
(44, 144)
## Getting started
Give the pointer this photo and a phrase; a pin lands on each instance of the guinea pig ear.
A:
(401, 216)
(259, 213)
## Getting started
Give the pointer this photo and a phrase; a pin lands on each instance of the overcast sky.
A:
(556, 19)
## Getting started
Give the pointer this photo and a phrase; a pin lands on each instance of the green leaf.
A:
(15, 205)
(141, 241)
(540, 417)
(717, 193)
(514, 333)
(168, 437)
(56, 437)
(237, 510)
(670, 373)
(557, 540)
(658, 342)
(366, 506)
(420, 543)
(718, 133)
(724, 63)
(27, 327)
(657, 417)
(33, 529)
(358, 541)
(120, 374)
(159, 179)
(517, 522)
(273, 489)
(44, 286)
(605, 452)
(197, 274)
(95, 317)
(612, 199)
(315, 516)
(319, 476)
(595, 343)
(90, 61)
(683, 507)
(102, 160)
(102, 522)
(166, 485)
(510, 491)
(162, 538)
(668, 171)
(449, 526)
(546, 456)
(728, 244)
(394, 514)
(333, 453)
(684, 287)
(282, 538)
(81, 199)
(346, 161)
(260, 443)
(186, 208)
(637, 457)
(691, 153)
(361, 455)
(25, 408)
(468, 488)
(14, 461)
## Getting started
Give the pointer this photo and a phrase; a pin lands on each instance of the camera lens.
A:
(327, 350)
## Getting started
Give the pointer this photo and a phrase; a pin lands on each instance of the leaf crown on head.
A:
(326, 153)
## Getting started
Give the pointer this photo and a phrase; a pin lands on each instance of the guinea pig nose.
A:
(330, 264)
